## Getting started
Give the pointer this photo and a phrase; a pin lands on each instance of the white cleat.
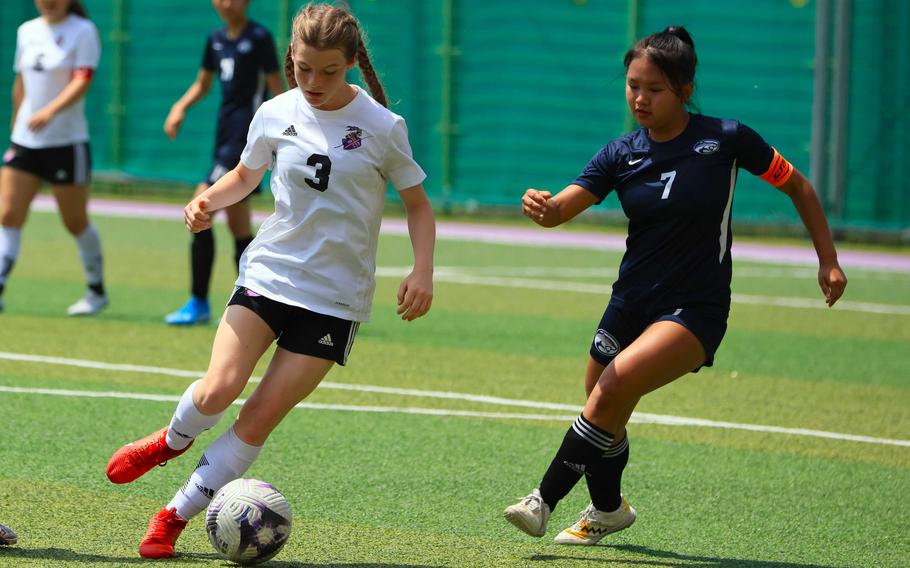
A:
(88, 305)
(530, 514)
(594, 525)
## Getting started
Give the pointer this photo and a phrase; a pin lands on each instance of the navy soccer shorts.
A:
(620, 326)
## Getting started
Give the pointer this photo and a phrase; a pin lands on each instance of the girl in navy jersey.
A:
(668, 311)
(56, 57)
(242, 54)
(307, 279)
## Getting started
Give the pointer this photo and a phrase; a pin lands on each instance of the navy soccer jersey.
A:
(241, 65)
(678, 196)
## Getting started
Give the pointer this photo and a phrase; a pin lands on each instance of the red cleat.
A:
(164, 529)
(134, 459)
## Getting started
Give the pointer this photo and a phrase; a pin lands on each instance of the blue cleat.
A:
(194, 311)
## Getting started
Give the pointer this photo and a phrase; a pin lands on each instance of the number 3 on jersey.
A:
(323, 168)
(669, 177)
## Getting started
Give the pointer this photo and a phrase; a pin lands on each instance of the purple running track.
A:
(766, 253)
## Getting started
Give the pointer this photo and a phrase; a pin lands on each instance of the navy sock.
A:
(581, 449)
(605, 477)
(202, 258)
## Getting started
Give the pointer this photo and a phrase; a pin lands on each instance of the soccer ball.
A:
(248, 521)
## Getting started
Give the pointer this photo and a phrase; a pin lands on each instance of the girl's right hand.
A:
(173, 122)
(536, 205)
(196, 215)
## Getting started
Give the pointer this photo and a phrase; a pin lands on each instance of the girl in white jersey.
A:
(307, 279)
(56, 56)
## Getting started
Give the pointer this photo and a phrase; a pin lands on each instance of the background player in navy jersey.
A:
(242, 54)
(668, 311)
(56, 57)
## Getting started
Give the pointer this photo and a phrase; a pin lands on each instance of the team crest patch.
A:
(353, 139)
(706, 146)
(606, 343)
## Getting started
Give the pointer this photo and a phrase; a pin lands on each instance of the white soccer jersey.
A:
(329, 175)
(46, 56)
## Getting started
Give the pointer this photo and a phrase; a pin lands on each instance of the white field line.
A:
(637, 417)
(459, 277)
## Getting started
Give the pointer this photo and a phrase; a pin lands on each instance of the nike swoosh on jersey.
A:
(633, 162)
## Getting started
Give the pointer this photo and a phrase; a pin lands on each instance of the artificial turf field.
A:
(407, 456)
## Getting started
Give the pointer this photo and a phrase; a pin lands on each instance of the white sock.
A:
(187, 422)
(225, 460)
(89, 243)
(10, 239)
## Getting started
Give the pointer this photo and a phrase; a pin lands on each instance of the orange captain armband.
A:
(779, 171)
(83, 73)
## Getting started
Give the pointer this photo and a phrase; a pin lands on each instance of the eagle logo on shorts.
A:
(353, 139)
(606, 343)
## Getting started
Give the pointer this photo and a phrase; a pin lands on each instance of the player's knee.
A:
(609, 394)
(75, 227)
(11, 218)
(212, 399)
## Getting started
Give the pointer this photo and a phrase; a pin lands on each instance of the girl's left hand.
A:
(832, 281)
(415, 295)
(39, 120)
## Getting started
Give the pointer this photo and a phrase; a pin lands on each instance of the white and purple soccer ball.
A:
(248, 521)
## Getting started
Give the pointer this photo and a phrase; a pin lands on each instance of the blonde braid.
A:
(369, 75)
(289, 69)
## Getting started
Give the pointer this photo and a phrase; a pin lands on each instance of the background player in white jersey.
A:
(307, 279)
(242, 53)
(668, 310)
(56, 56)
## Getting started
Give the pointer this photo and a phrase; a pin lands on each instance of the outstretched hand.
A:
(832, 281)
(415, 295)
(538, 206)
(196, 215)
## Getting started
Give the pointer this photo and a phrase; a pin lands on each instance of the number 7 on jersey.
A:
(669, 177)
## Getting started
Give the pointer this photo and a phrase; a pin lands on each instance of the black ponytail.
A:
(683, 34)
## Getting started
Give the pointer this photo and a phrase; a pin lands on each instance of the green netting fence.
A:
(507, 94)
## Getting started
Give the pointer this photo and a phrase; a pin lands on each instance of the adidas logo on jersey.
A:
(327, 340)
(289, 131)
